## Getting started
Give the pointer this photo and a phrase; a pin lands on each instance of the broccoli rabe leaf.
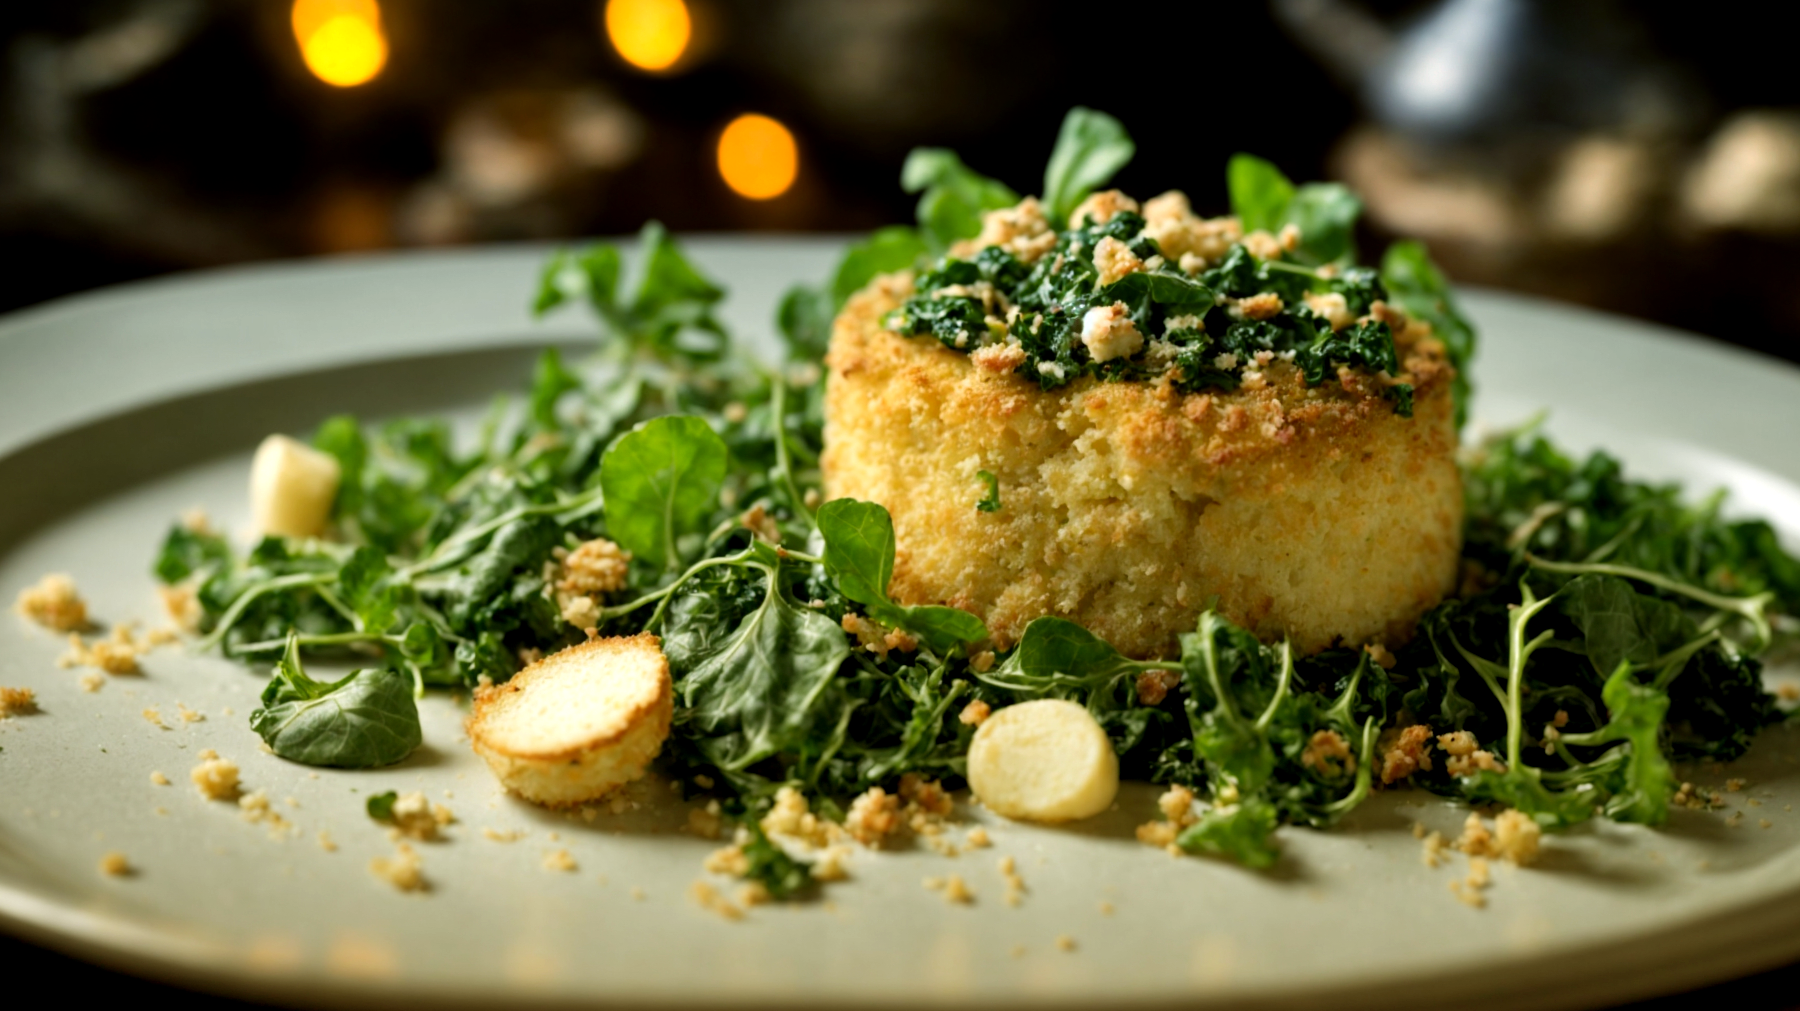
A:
(769, 864)
(954, 196)
(187, 552)
(1090, 148)
(1416, 285)
(368, 719)
(1260, 193)
(1056, 658)
(887, 249)
(1244, 832)
(859, 556)
(1324, 213)
(766, 684)
(661, 481)
(380, 806)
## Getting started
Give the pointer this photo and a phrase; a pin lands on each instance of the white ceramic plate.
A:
(120, 409)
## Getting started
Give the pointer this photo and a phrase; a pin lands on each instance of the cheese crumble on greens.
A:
(1605, 628)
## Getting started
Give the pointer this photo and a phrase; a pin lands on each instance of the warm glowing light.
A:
(340, 40)
(650, 34)
(758, 157)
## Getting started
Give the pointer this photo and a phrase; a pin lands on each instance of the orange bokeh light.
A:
(758, 157)
(649, 34)
(340, 40)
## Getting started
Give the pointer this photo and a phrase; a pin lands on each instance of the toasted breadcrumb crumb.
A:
(982, 662)
(975, 713)
(955, 889)
(1106, 909)
(1015, 885)
(1065, 943)
(1736, 785)
(559, 860)
(17, 702)
(977, 838)
(1177, 806)
(580, 577)
(189, 715)
(91, 681)
(1328, 754)
(182, 604)
(255, 808)
(159, 779)
(1433, 849)
(53, 603)
(115, 864)
(503, 835)
(415, 817)
(708, 898)
(326, 843)
(873, 816)
(1404, 751)
(404, 870)
(638, 894)
(216, 778)
(758, 521)
(153, 715)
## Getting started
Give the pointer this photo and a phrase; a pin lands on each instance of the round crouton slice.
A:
(577, 724)
(1045, 760)
(1312, 512)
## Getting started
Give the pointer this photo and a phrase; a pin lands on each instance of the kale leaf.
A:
(365, 720)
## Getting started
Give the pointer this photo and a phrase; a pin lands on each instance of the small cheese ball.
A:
(1045, 760)
(292, 486)
(579, 723)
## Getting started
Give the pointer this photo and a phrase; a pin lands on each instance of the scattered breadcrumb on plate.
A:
(559, 860)
(115, 865)
(17, 702)
(404, 870)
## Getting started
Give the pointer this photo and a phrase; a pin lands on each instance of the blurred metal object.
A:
(1485, 70)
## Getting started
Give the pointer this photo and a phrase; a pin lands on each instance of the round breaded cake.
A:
(1313, 512)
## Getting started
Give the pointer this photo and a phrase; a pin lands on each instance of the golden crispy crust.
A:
(1311, 512)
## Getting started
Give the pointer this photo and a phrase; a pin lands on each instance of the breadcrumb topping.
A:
(404, 870)
(415, 817)
(53, 603)
(594, 569)
(1466, 755)
(1404, 752)
(17, 702)
(115, 864)
(158, 779)
(1177, 806)
(1328, 754)
(975, 713)
(955, 890)
(710, 899)
(216, 778)
(255, 808)
(559, 860)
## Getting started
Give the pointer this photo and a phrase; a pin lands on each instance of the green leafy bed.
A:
(1605, 628)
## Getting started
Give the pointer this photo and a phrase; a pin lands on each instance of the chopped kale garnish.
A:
(990, 503)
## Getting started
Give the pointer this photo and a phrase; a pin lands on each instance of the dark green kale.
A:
(366, 720)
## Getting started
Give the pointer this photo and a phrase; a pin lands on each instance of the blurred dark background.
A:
(1639, 158)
